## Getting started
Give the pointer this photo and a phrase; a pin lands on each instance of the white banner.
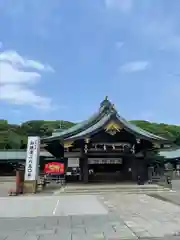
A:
(104, 161)
(73, 162)
(32, 158)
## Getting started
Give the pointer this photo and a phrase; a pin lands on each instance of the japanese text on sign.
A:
(104, 161)
(32, 159)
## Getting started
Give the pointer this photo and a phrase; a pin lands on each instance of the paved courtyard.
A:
(110, 216)
(5, 187)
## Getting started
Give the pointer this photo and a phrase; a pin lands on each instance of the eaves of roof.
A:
(140, 131)
(170, 153)
(96, 122)
(92, 129)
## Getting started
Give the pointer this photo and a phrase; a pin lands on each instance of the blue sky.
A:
(60, 58)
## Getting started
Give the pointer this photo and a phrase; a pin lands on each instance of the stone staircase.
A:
(111, 188)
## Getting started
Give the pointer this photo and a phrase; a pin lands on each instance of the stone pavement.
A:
(95, 227)
(41, 206)
(111, 216)
(5, 187)
(173, 197)
(144, 215)
(81, 227)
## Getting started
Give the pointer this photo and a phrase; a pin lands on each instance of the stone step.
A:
(114, 188)
(97, 191)
(7, 179)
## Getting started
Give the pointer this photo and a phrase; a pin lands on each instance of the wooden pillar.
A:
(81, 168)
(127, 171)
(139, 169)
(134, 169)
(19, 181)
(84, 162)
(85, 170)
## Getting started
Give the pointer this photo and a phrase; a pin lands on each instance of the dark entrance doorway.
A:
(105, 169)
(105, 172)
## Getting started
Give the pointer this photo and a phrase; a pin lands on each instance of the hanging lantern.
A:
(85, 148)
(138, 141)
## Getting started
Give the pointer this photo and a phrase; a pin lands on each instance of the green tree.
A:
(16, 135)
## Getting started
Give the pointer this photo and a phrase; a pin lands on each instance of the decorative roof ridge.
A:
(80, 126)
(147, 132)
(107, 106)
(140, 131)
(106, 109)
(134, 125)
(92, 128)
(89, 124)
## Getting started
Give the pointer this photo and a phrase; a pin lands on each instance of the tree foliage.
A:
(10, 134)
(15, 136)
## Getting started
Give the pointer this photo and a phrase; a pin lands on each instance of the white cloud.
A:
(14, 58)
(11, 74)
(136, 66)
(122, 5)
(18, 94)
(15, 80)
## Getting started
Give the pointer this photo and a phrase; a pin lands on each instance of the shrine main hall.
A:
(107, 146)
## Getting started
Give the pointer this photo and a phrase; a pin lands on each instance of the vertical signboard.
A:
(32, 159)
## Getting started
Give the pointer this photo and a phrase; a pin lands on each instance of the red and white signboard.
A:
(54, 167)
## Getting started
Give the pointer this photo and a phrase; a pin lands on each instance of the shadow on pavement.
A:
(173, 198)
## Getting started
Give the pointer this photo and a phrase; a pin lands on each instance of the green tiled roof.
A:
(97, 121)
(21, 154)
(170, 154)
(139, 130)
(75, 129)
(18, 154)
(92, 129)
(78, 127)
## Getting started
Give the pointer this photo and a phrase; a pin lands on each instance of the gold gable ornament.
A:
(156, 145)
(113, 127)
(87, 140)
(68, 144)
